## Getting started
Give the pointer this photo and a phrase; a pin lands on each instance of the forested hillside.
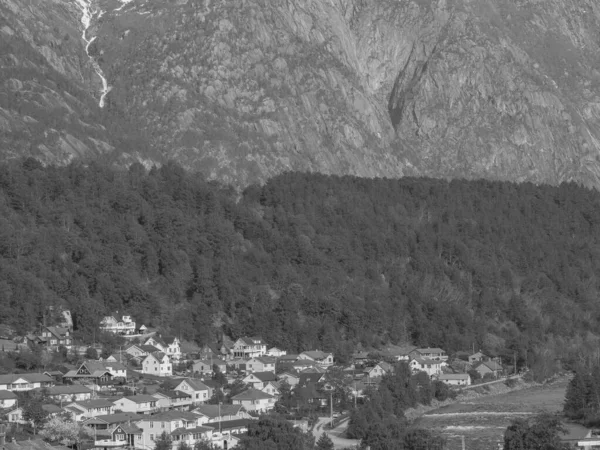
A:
(305, 261)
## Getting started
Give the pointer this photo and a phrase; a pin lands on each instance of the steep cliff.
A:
(242, 90)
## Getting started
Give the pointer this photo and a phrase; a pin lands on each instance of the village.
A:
(157, 384)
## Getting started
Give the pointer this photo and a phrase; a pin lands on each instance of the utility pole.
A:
(463, 442)
(331, 409)
(515, 358)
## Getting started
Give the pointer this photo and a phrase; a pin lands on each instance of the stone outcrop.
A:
(242, 90)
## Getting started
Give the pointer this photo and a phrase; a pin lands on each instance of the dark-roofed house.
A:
(199, 392)
(54, 337)
(180, 425)
(107, 421)
(306, 379)
(24, 382)
(122, 435)
(249, 347)
(99, 372)
(259, 379)
(90, 408)
(206, 366)
(254, 400)
(491, 367)
(172, 399)
(432, 353)
(321, 358)
(219, 413)
(139, 404)
(70, 392)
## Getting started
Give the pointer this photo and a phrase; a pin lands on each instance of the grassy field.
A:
(482, 419)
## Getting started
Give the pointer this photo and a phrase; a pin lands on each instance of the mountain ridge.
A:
(242, 91)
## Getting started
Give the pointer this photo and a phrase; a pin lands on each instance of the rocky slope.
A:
(242, 90)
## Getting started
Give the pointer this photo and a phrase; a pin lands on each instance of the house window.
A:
(151, 437)
(162, 424)
(120, 437)
(151, 424)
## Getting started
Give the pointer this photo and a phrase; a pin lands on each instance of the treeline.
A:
(306, 261)
(582, 400)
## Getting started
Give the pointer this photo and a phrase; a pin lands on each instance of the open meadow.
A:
(482, 419)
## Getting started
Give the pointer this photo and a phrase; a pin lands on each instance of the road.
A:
(336, 435)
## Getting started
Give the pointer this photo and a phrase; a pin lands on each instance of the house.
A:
(254, 400)
(376, 371)
(53, 410)
(199, 392)
(24, 382)
(271, 388)
(56, 375)
(488, 367)
(90, 408)
(206, 366)
(141, 351)
(398, 353)
(220, 413)
(247, 347)
(455, 379)
(276, 352)
(157, 363)
(431, 353)
(169, 345)
(322, 359)
(167, 399)
(261, 364)
(118, 324)
(306, 379)
(69, 393)
(8, 399)
(15, 416)
(290, 378)
(138, 404)
(238, 364)
(259, 379)
(109, 421)
(360, 358)
(429, 366)
(122, 435)
(226, 434)
(52, 338)
(180, 425)
(477, 357)
(99, 372)
(578, 436)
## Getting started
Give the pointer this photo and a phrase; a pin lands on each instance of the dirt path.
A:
(336, 435)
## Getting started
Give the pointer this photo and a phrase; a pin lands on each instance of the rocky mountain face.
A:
(244, 89)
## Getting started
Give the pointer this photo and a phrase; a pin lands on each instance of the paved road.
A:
(336, 435)
(499, 380)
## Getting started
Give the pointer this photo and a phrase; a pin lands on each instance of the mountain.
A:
(244, 90)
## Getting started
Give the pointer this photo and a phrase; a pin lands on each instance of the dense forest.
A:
(306, 261)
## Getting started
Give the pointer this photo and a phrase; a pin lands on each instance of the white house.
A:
(97, 371)
(276, 352)
(320, 358)
(138, 404)
(70, 393)
(24, 382)
(180, 425)
(259, 379)
(8, 399)
(199, 392)
(430, 366)
(167, 344)
(249, 347)
(90, 408)
(431, 353)
(261, 364)
(220, 413)
(172, 399)
(254, 400)
(455, 379)
(157, 363)
(118, 324)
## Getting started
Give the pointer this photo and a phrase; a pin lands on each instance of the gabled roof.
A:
(8, 395)
(69, 389)
(213, 411)
(141, 398)
(172, 415)
(172, 394)
(251, 340)
(30, 377)
(148, 348)
(317, 355)
(52, 409)
(430, 350)
(196, 385)
(97, 366)
(252, 394)
(110, 419)
(183, 431)
(97, 403)
(453, 376)
(229, 424)
(128, 428)
(288, 358)
(264, 376)
(492, 365)
(309, 378)
(58, 331)
(169, 339)
(159, 356)
(265, 359)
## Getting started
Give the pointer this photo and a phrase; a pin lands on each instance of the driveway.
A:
(337, 435)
